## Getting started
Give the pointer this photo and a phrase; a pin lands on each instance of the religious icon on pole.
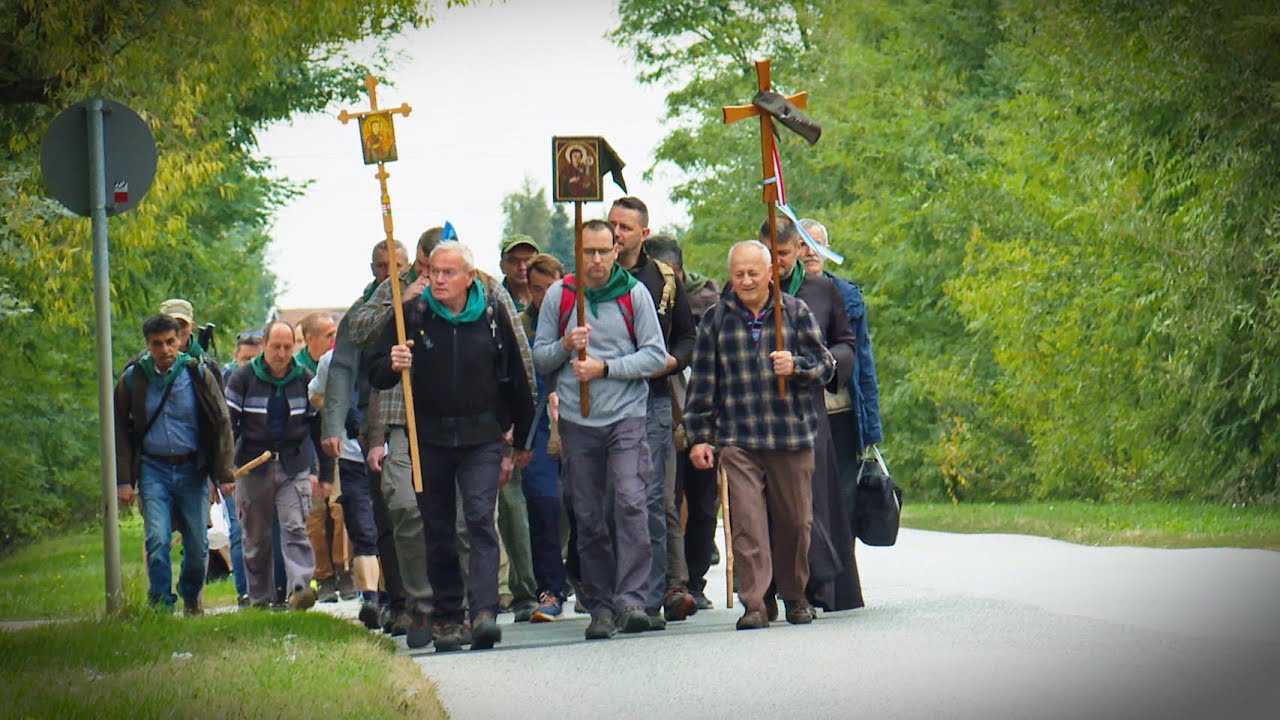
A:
(378, 138)
(378, 145)
(576, 162)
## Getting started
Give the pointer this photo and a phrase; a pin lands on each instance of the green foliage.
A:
(1062, 216)
(206, 77)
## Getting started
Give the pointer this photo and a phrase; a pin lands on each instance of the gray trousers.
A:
(603, 465)
(406, 522)
(260, 495)
(658, 495)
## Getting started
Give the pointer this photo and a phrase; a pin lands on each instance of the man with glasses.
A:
(605, 450)
(517, 252)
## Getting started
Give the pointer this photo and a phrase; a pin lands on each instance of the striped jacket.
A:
(733, 392)
(247, 398)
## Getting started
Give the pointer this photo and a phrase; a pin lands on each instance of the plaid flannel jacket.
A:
(733, 392)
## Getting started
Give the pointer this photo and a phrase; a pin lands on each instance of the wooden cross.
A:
(733, 114)
(411, 425)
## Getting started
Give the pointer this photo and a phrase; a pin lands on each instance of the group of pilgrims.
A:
(548, 458)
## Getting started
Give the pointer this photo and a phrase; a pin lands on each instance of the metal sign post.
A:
(119, 148)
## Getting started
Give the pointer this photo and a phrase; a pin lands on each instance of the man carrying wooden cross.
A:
(765, 438)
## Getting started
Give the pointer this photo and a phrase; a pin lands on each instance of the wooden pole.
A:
(767, 150)
(728, 536)
(580, 267)
(397, 307)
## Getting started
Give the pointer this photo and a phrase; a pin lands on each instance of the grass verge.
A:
(238, 664)
(63, 576)
(1171, 525)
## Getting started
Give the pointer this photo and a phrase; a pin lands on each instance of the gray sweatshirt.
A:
(625, 392)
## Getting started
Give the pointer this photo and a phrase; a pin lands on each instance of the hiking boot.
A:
(771, 607)
(656, 621)
(485, 632)
(347, 587)
(369, 615)
(633, 620)
(400, 622)
(243, 601)
(678, 604)
(549, 609)
(447, 637)
(192, 607)
(800, 612)
(302, 598)
(524, 610)
(601, 627)
(327, 590)
(704, 602)
(753, 620)
(419, 632)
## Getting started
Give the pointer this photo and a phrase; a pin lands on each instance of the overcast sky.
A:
(489, 87)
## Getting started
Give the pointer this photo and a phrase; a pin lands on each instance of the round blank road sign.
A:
(130, 151)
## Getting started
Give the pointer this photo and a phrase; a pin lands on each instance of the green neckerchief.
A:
(797, 279)
(620, 283)
(194, 349)
(259, 365)
(303, 358)
(154, 377)
(369, 290)
(474, 309)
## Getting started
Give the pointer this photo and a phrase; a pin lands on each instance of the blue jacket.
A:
(865, 387)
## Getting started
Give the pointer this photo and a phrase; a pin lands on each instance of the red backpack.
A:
(568, 296)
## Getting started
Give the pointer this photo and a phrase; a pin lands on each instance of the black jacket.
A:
(679, 331)
(469, 383)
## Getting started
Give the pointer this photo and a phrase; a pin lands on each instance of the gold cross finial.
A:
(371, 85)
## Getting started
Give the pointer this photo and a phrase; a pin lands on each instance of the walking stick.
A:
(248, 467)
(728, 538)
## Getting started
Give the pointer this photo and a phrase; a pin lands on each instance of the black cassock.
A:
(833, 569)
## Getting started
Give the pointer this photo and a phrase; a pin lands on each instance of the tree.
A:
(206, 77)
(527, 211)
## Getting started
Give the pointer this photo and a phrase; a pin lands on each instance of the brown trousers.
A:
(332, 551)
(770, 490)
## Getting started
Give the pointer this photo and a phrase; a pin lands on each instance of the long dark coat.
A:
(833, 570)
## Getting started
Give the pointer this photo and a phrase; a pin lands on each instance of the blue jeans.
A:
(174, 495)
(237, 551)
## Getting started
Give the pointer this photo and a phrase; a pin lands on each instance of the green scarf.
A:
(369, 290)
(797, 279)
(620, 283)
(195, 350)
(474, 309)
(154, 377)
(303, 358)
(259, 365)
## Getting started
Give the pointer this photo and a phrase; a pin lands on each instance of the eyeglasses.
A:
(596, 252)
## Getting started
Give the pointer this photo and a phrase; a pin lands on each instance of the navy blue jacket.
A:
(865, 387)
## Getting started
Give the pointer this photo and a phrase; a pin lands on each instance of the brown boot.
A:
(192, 606)
(753, 620)
(800, 612)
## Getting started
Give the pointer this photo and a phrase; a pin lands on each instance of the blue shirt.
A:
(176, 431)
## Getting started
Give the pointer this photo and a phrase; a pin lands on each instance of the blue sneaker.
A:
(549, 608)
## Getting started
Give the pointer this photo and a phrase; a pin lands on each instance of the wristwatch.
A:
(604, 373)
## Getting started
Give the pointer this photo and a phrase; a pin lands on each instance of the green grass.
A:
(150, 664)
(1172, 525)
(63, 576)
(249, 664)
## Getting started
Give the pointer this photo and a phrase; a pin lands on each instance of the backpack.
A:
(569, 296)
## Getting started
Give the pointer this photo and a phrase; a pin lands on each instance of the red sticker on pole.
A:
(121, 195)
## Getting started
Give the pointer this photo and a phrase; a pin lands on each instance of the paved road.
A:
(957, 626)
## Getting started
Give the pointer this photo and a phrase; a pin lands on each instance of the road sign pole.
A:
(102, 325)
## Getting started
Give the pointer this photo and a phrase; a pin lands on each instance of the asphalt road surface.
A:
(956, 626)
